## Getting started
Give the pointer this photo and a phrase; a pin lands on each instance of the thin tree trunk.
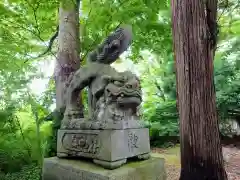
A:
(68, 60)
(201, 151)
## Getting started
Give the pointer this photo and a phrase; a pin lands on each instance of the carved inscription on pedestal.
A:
(81, 143)
(132, 141)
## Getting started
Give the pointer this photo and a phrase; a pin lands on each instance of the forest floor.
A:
(172, 161)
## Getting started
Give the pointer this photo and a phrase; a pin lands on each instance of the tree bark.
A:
(68, 60)
(201, 151)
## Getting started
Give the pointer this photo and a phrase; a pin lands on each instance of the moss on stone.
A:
(141, 170)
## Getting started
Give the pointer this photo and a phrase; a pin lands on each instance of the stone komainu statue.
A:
(114, 98)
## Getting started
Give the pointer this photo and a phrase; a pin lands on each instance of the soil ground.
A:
(172, 161)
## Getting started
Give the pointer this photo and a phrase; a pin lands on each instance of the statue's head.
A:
(113, 46)
(126, 93)
(120, 99)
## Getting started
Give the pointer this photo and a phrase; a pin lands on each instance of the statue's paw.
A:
(76, 123)
(64, 123)
(143, 124)
(95, 125)
(85, 125)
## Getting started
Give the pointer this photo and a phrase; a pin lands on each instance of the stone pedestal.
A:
(108, 148)
(64, 169)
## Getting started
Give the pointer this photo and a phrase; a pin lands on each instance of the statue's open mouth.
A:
(126, 99)
(129, 102)
(125, 96)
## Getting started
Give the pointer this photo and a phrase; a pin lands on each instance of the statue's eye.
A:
(128, 86)
(117, 83)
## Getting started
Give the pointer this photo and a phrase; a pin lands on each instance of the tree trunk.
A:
(201, 151)
(68, 60)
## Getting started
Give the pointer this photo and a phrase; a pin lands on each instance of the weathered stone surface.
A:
(115, 100)
(104, 145)
(63, 169)
(113, 96)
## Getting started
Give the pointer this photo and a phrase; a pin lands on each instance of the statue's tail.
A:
(109, 51)
(113, 46)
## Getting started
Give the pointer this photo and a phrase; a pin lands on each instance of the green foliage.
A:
(159, 81)
(11, 155)
(52, 139)
(28, 132)
(28, 172)
(19, 142)
(142, 15)
(227, 78)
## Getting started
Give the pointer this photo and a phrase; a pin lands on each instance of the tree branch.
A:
(49, 47)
